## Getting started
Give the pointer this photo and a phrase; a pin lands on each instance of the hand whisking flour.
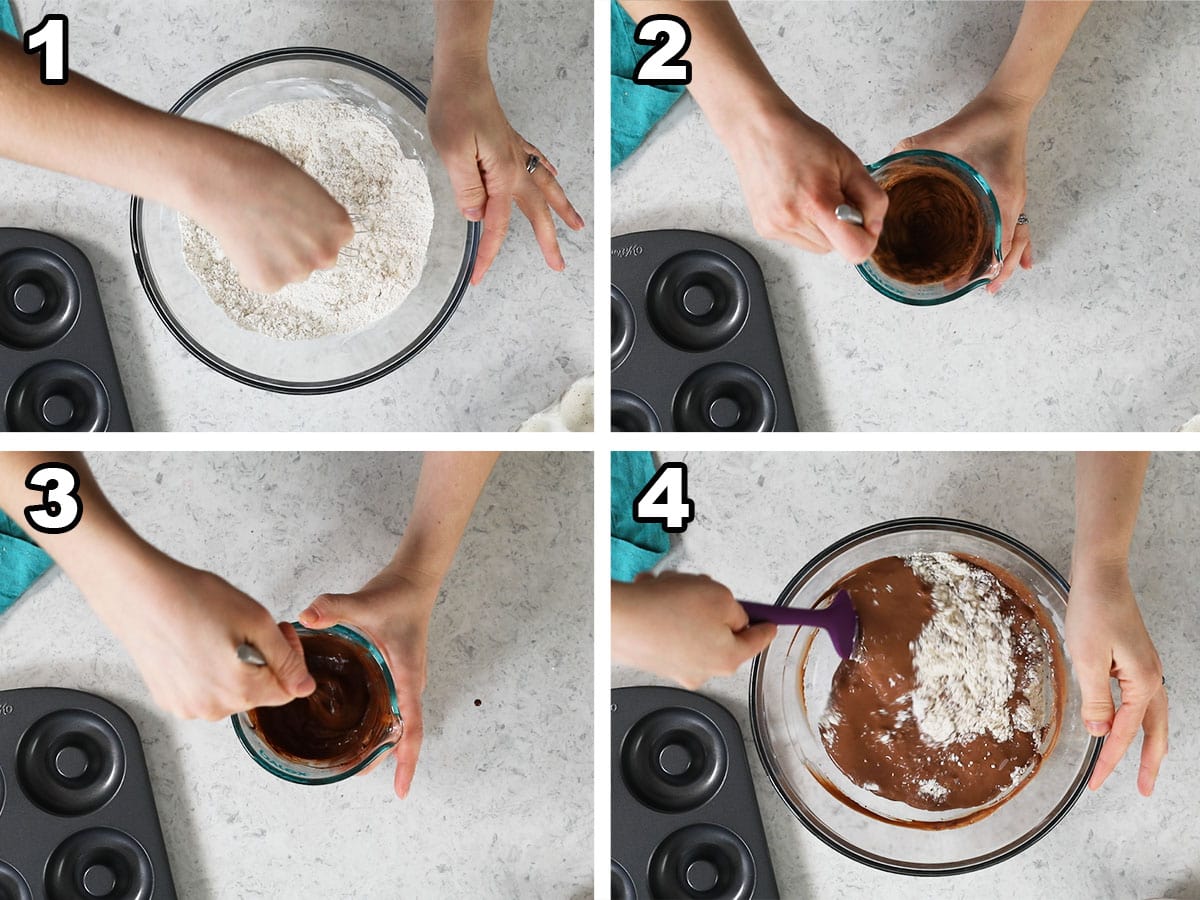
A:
(358, 160)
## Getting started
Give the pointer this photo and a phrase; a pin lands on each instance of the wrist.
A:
(1012, 100)
(1097, 567)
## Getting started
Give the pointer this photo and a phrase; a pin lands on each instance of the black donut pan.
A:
(57, 369)
(693, 341)
(77, 814)
(685, 820)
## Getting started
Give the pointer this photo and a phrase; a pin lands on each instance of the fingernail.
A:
(1097, 729)
(308, 685)
(474, 214)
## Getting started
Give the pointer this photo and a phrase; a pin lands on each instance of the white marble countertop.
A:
(1099, 336)
(501, 805)
(760, 517)
(516, 342)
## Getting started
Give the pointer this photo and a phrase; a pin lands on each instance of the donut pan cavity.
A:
(693, 341)
(57, 370)
(685, 819)
(77, 814)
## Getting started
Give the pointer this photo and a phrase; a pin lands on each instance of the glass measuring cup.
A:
(984, 269)
(380, 739)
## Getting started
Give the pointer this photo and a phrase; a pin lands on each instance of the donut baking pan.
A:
(57, 371)
(693, 341)
(77, 815)
(685, 820)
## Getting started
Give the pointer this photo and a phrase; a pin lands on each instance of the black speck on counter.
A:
(478, 702)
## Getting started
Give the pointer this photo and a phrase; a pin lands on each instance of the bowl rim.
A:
(362, 639)
(819, 559)
(329, 386)
(997, 241)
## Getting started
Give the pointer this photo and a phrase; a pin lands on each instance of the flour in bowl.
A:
(355, 157)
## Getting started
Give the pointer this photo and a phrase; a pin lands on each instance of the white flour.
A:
(963, 658)
(358, 160)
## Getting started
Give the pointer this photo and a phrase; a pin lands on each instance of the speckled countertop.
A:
(760, 517)
(1099, 336)
(501, 805)
(516, 342)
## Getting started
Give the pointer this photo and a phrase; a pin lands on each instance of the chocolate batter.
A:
(933, 232)
(869, 729)
(347, 716)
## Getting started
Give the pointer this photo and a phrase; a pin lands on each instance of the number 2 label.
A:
(664, 64)
(664, 500)
(61, 508)
(50, 40)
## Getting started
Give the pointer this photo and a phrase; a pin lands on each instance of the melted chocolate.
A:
(343, 719)
(872, 735)
(933, 232)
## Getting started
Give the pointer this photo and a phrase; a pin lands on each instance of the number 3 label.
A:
(61, 508)
(664, 501)
(664, 64)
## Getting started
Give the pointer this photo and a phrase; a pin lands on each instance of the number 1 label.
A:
(50, 40)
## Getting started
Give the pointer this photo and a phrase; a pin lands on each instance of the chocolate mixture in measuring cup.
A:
(933, 232)
(952, 696)
(346, 716)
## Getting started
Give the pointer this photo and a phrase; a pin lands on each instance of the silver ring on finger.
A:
(1022, 219)
(532, 163)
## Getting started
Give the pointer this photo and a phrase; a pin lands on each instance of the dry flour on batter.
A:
(359, 161)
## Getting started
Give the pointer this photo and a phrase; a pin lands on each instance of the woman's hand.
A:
(1106, 637)
(274, 222)
(486, 161)
(794, 173)
(394, 609)
(182, 627)
(990, 133)
(684, 627)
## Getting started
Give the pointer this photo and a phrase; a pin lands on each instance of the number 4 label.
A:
(61, 508)
(664, 500)
(664, 64)
(50, 40)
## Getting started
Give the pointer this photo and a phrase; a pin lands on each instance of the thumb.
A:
(323, 612)
(754, 639)
(285, 658)
(1097, 710)
(855, 243)
(469, 192)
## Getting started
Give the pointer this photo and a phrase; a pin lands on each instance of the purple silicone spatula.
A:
(838, 618)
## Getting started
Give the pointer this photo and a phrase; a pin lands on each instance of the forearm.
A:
(1108, 491)
(461, 42)
(83, 129)
(729, 79)
(448, 489)
(629, 638)
(1045, 30)
(102, 552)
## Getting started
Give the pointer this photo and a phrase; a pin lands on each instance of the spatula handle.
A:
(782, 615)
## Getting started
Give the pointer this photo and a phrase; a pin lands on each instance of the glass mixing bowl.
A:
(300, 773)
(786, 726)
(332, 363)
(986, 269)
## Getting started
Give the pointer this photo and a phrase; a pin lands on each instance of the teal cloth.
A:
(636, 546)
(7, 25)
(636, 108)
(22, 562)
